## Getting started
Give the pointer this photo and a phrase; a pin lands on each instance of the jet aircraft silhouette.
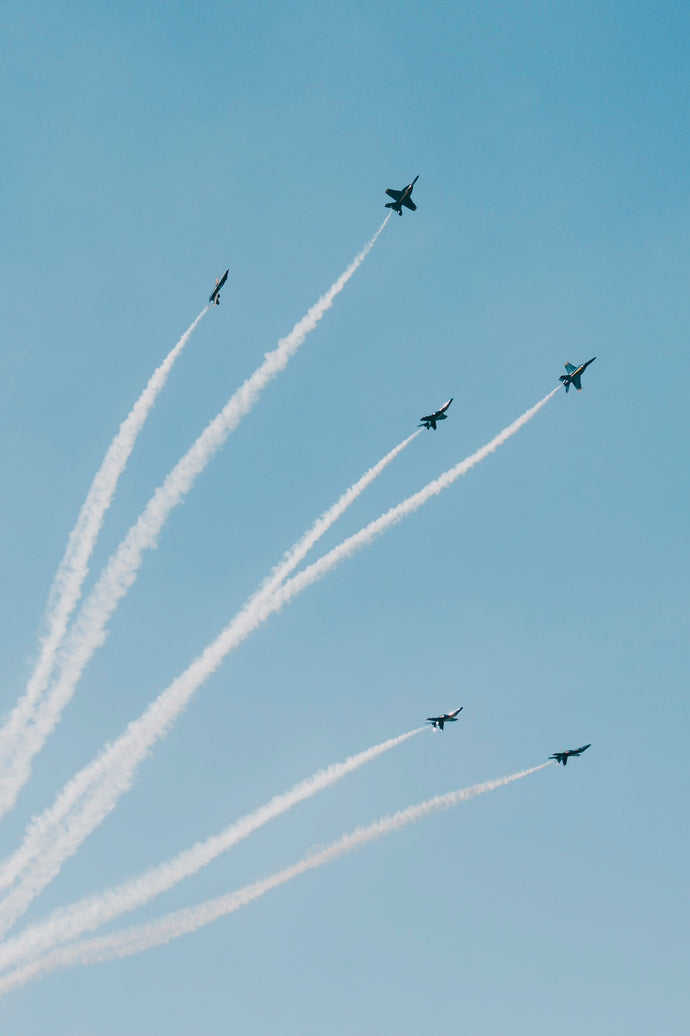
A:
(574, 374)
(437, 722)
(429, 421)
(215, 294)
(401, 198)
(562, 757)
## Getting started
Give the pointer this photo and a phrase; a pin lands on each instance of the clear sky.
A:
(147, 147)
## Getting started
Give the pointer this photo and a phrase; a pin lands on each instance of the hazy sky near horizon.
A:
(147, 147)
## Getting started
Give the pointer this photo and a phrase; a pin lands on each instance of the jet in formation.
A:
(562, 757)
(574, 374)
(429, 421)
(437, 722)
(215, 294)
(401, 198)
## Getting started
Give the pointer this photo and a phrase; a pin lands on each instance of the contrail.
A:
(171, 926)
(300, 549)
(89, 630)
(72, 571)
(68, 923)
(91, 794)
(365, 536)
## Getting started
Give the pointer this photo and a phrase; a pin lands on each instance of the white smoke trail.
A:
(72, 571)
(300, 549)
(89, 630)
(68, 923)
(91, 794)
(171, 926)
(86, 800)
(365, 536)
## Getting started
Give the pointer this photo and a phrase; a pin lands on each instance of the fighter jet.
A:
(401, 198)
(574, 374)
(215, 294)
(448, 717)
(429, 421)
(562, 757)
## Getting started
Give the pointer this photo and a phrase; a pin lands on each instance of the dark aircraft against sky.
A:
(437, 722)
(429, 421)
(401, 198)
(215, 294)
(574, 374)
(562, 757)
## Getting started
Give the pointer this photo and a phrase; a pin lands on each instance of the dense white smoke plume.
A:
(16, 751)
(89, 796)
(68, 923)
(89, 630)
(155, 933)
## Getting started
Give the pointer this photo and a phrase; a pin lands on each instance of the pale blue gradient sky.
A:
(148, 147)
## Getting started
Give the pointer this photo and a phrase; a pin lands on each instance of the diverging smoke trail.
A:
(155, 933)
(68, 923)
(299, 551)
(91, 794)
(72, 571)
(89, 630)
(365, 536)
(87, 799)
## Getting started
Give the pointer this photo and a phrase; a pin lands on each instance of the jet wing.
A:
(570, 368)
(219, 285)
(577, 381)
(408, 203)
(392, 193)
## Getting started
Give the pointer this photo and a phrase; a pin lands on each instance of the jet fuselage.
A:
(574, 374)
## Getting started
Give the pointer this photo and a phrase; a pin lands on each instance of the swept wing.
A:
(214, 296)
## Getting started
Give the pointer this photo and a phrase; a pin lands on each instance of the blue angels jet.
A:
(215, 294)
(574, 374)
(401, 198)
(429, 420)
(447, 717)
(562, 757)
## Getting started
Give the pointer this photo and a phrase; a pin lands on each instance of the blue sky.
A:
(147, 148)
